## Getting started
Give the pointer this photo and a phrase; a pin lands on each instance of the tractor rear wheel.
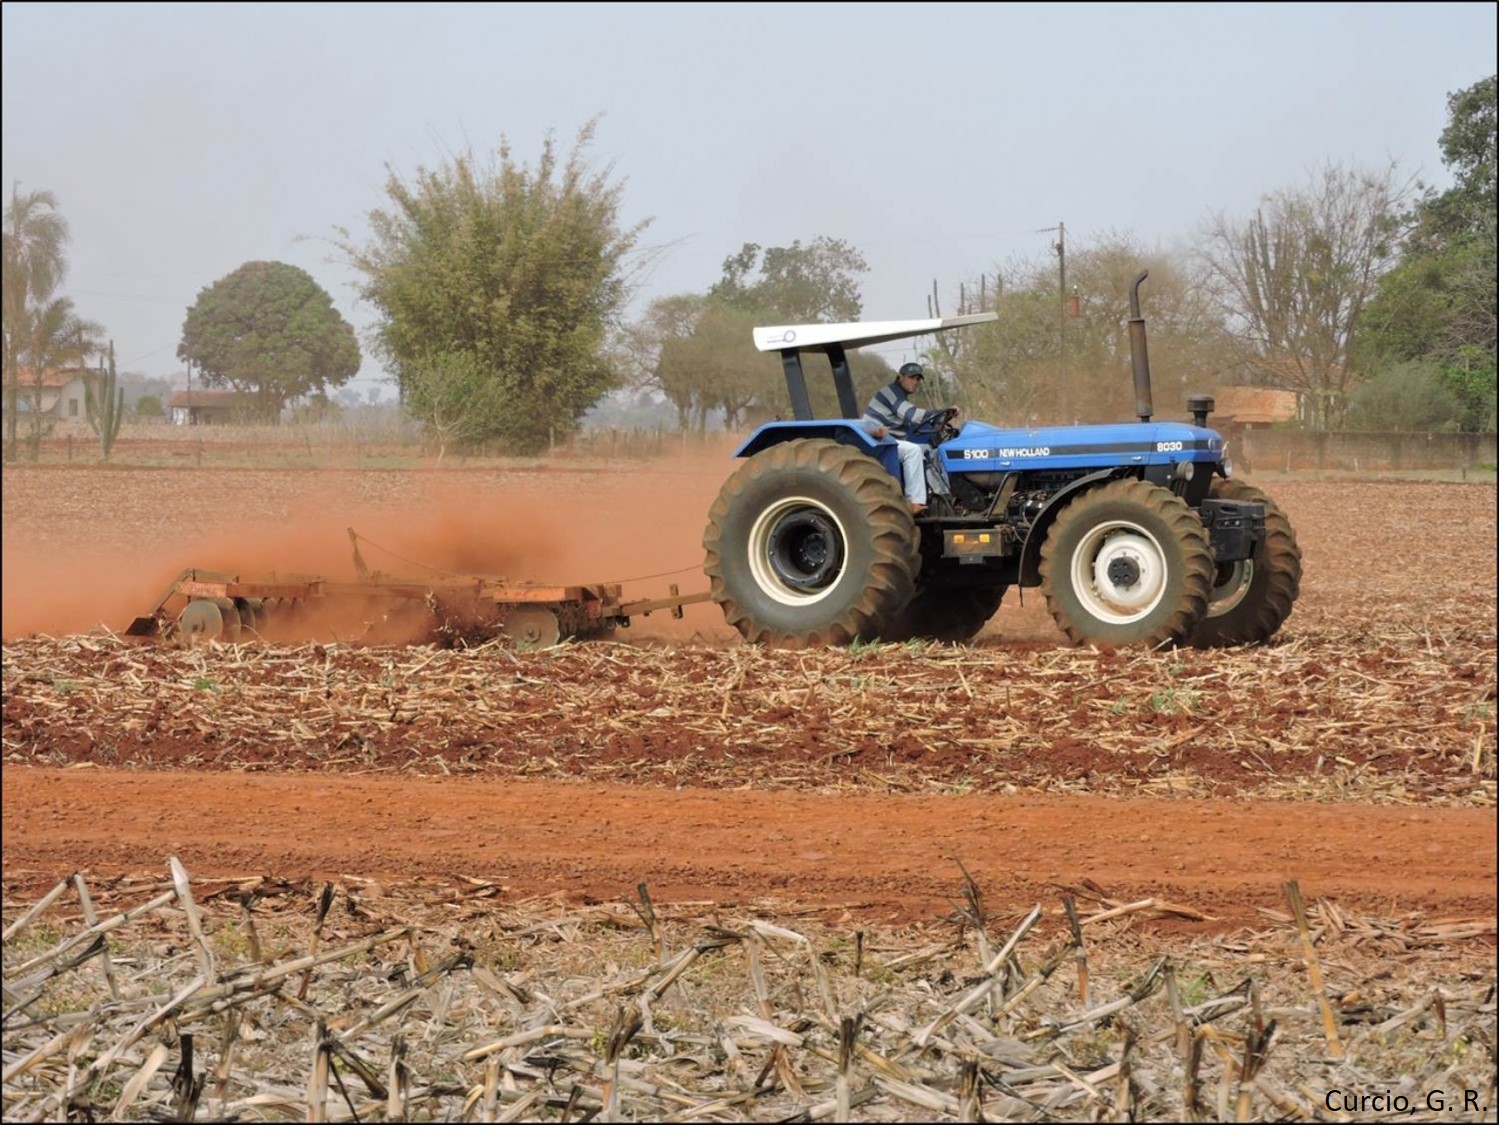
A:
(950, 614)
(1252, 599)
(811, 543)
(1127, 563)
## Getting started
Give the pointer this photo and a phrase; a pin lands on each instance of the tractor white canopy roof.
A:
(857, 334)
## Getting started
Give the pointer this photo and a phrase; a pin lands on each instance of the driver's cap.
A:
(910, 369)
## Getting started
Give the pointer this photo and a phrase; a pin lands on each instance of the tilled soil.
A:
(888, 857)
(719, 771)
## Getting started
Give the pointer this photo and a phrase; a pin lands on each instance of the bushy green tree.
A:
(524, 269)
(148, 408)
(269, 330)
(1405, 397)
(1470, 145)
(452, 394)
(658, 355)
(698, 351)
(815, 283)
(1442, 302)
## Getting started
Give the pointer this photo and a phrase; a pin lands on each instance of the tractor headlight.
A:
(1225, 465)
(1184, 471)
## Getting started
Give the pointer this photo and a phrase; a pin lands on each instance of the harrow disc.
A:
(200, 621)
(230, 618)
(531, 627)
(249, 610)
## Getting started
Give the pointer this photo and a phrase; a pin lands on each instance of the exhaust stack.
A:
(1139, 341)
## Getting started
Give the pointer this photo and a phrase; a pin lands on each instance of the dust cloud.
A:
(103, 552)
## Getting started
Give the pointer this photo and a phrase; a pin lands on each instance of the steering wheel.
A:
(938, 425)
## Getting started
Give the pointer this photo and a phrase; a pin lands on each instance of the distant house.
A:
(207, 406)
(1253, 408)
(1283, 376)
(62, 394)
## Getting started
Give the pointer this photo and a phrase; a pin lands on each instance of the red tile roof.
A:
(52, 377)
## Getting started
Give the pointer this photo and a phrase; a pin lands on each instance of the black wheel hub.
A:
(1122, 572)
(806, 551)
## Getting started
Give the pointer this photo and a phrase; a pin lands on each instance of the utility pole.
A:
(1059, 248)
(1064, 382)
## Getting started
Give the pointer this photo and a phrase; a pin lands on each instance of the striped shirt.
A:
(892, 409)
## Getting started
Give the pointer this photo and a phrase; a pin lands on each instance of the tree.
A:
(1296, 275)
(1442, 302)
(797, 284)
(697, 351)
(1405, 397)
(148, 408)
(1012, 370)
(452, 394)
(57, 338)
(1470, 145)
(35, 235)
(527, 270)
(657, 350)
(269, 330)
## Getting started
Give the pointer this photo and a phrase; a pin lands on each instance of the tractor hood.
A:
(982, 447)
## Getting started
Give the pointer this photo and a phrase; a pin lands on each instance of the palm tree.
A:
(56, 338)
(34, 265)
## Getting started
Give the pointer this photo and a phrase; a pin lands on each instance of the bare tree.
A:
(1296, 274)
(1012, 370)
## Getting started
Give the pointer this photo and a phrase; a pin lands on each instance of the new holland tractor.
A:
(1136, 533)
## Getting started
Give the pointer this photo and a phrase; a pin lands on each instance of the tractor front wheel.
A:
(1252, 599)
(1127, 563)
(811, 543)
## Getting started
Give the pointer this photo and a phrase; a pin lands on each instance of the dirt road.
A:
(888, 857)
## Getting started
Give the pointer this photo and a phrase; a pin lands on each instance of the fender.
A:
(1028, 560)
(884, 451)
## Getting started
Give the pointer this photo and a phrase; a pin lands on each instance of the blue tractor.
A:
(1136, 533)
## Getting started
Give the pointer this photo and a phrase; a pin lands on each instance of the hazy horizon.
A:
(182, 142)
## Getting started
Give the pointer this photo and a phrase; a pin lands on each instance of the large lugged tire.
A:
(1252, 599)
(1127, 563)
(952, 615)
(811, 543)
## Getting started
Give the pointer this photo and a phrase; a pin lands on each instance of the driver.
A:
(890, 411)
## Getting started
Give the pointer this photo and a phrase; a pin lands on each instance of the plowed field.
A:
(1358, 753)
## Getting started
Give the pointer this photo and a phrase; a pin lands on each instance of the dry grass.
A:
(428, 1001)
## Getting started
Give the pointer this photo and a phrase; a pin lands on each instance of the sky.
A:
(939, 139)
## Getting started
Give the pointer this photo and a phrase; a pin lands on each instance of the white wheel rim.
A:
(1233, 591)
(766, 577)
(1101, 564)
